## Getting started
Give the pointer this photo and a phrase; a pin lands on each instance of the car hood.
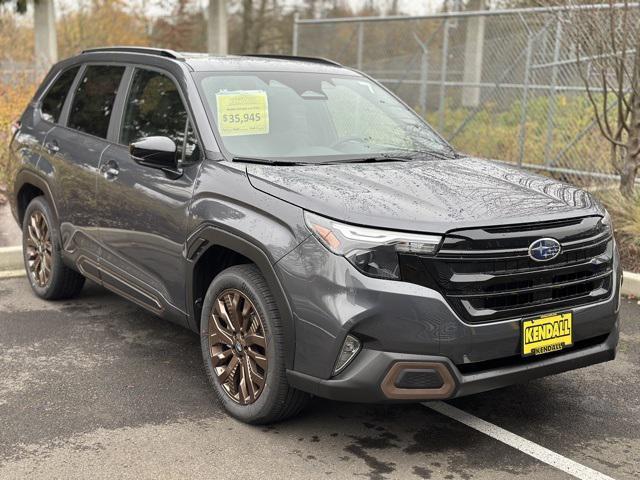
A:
(424, 196)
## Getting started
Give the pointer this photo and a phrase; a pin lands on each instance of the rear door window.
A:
(154, 108)
(93, 100)
(54, 99)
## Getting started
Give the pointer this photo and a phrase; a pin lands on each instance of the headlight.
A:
(606, 221)
(374, 252)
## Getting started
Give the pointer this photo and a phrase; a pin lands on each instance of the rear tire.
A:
(49, 277)
(243, 348)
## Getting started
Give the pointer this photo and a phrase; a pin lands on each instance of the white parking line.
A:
(530, 448)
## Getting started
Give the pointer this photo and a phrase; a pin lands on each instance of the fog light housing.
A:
(348, 352)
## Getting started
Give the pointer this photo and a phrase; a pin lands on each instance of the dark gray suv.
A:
(317, 234)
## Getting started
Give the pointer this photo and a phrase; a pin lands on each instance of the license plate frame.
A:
(546, 333)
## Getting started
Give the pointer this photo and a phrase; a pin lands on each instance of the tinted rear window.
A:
(54, 99)
(93, 100)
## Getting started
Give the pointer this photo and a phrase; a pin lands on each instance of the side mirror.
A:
(156, 152)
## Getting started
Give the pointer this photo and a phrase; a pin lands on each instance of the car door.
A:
(72, 155)
(143, 210)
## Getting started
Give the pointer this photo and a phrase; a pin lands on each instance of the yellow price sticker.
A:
(243, 113)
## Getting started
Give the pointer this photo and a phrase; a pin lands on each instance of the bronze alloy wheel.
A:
(39, 249)
(238, 346)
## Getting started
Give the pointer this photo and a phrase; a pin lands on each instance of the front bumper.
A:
(404, 322)
(363, 380)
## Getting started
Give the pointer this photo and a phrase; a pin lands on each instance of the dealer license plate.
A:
(547, 334)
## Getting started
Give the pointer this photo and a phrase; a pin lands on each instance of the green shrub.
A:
(494, 132)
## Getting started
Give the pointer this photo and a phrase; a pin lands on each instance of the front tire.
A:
(243, 348)
(49, 277)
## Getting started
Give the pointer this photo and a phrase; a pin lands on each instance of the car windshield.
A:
(312, 117)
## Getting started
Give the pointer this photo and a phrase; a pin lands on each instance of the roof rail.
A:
(299, 58)
(162, 52)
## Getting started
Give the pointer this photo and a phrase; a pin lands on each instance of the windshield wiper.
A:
(417, 154)
(443, 155)
(406, 157)
(264, 161)
(413, 154)
(373, 159)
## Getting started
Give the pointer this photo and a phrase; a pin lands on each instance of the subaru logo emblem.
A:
(544, 249)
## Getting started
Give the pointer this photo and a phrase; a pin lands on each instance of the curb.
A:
(12, 274)
(11, 265)
(10, 260)
(631, 284)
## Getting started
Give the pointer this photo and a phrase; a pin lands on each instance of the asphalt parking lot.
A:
(97, 388)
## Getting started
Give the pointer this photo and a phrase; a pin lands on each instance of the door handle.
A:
(52, 146)
(110, 170)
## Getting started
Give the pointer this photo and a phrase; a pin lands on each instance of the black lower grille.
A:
(487, 274)
(413, 378)
(516, 360)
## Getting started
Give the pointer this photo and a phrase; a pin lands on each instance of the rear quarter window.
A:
(53, 101)
(93, 100)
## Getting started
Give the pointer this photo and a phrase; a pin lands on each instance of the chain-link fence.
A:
(11, 71)
(501, 84)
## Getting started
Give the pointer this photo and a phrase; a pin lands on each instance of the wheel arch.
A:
(234, 250)
(28, 186)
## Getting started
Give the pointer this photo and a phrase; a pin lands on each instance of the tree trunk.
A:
(628, 178)
(46, 44)
(260, 21)
(632, 155)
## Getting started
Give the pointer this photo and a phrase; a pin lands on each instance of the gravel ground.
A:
(97, 388)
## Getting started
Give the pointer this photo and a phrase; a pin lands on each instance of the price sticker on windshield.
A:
(243, 112)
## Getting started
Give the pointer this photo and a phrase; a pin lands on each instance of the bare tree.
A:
(607, 48)
(247, 25)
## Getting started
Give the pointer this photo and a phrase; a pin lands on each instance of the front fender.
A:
(227, 211)
(210, 235)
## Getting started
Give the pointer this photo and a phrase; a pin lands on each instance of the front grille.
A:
(487, 274)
